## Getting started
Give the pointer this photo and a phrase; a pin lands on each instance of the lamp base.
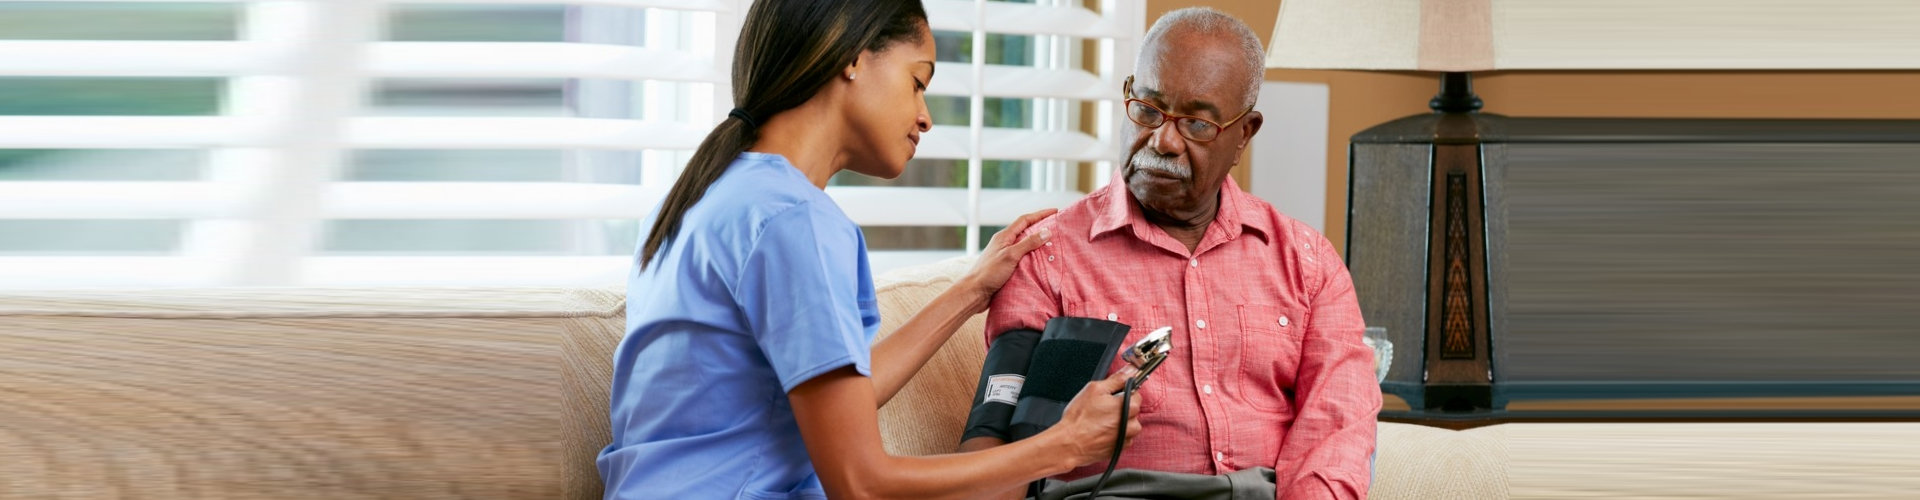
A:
(1458, 398)
(1456, 95)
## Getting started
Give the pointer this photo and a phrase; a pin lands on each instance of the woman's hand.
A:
(1002, 253)
(1091, 421)
(897, 357)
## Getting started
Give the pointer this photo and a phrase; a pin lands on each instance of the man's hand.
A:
(1003, 253)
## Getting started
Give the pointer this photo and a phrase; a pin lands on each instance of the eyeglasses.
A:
(1193, 127)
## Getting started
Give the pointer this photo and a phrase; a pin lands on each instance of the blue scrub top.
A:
(765, 287)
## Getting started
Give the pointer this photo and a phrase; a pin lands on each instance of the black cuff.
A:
(1008, 357)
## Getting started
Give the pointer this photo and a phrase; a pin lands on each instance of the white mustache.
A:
(1144, 161)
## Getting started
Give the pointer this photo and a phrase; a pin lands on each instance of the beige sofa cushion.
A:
(927, 415)
(1416, 462)
(1793, 460)
(292, 393)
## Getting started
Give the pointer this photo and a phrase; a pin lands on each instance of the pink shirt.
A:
(1268, 368)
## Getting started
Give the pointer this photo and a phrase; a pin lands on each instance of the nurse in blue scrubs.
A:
(749, 368)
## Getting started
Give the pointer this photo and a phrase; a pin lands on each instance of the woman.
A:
(748, 369)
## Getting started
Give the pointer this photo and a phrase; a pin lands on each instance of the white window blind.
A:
(377, 142)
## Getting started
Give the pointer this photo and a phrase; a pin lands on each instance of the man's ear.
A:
(1251, 123)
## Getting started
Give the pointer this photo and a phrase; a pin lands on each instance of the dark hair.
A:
(788, 51)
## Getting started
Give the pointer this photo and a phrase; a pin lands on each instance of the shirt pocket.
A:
(1140, 319)
(1270, 337)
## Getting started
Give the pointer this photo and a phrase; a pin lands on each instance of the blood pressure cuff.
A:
(1072, 351)
(1001, 380)
(1058, 362)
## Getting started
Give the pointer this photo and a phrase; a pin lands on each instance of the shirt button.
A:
(1207, 389)
(1113, 316)
(1222, 457)
(1049, 258)
(1202, 324)
(1283, 321)
(1193, 262)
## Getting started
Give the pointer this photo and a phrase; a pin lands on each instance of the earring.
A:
(849, 76)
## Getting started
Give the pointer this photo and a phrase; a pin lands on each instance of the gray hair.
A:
(1208, 22)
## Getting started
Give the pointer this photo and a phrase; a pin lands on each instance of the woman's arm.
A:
(984, 443)
(842, 432)
(899, 356)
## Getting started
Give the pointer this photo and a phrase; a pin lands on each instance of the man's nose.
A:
(1167, 141)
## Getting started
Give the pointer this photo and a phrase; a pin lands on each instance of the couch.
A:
(501, 393)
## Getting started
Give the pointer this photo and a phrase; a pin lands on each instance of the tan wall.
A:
(1364, 99)
(1703, 94)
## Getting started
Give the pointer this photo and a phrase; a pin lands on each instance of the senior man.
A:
(1268, 369)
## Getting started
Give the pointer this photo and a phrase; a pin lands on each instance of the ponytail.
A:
(711, 159)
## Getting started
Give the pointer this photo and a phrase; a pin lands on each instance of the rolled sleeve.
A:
(1028, 300)
(800, 294)
(1338, 400)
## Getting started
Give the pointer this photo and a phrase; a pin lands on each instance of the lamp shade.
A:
(1479, 35)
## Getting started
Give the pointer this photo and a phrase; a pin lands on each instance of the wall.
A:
(1703, 94)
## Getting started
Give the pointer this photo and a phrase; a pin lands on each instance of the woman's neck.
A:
(808, 137)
